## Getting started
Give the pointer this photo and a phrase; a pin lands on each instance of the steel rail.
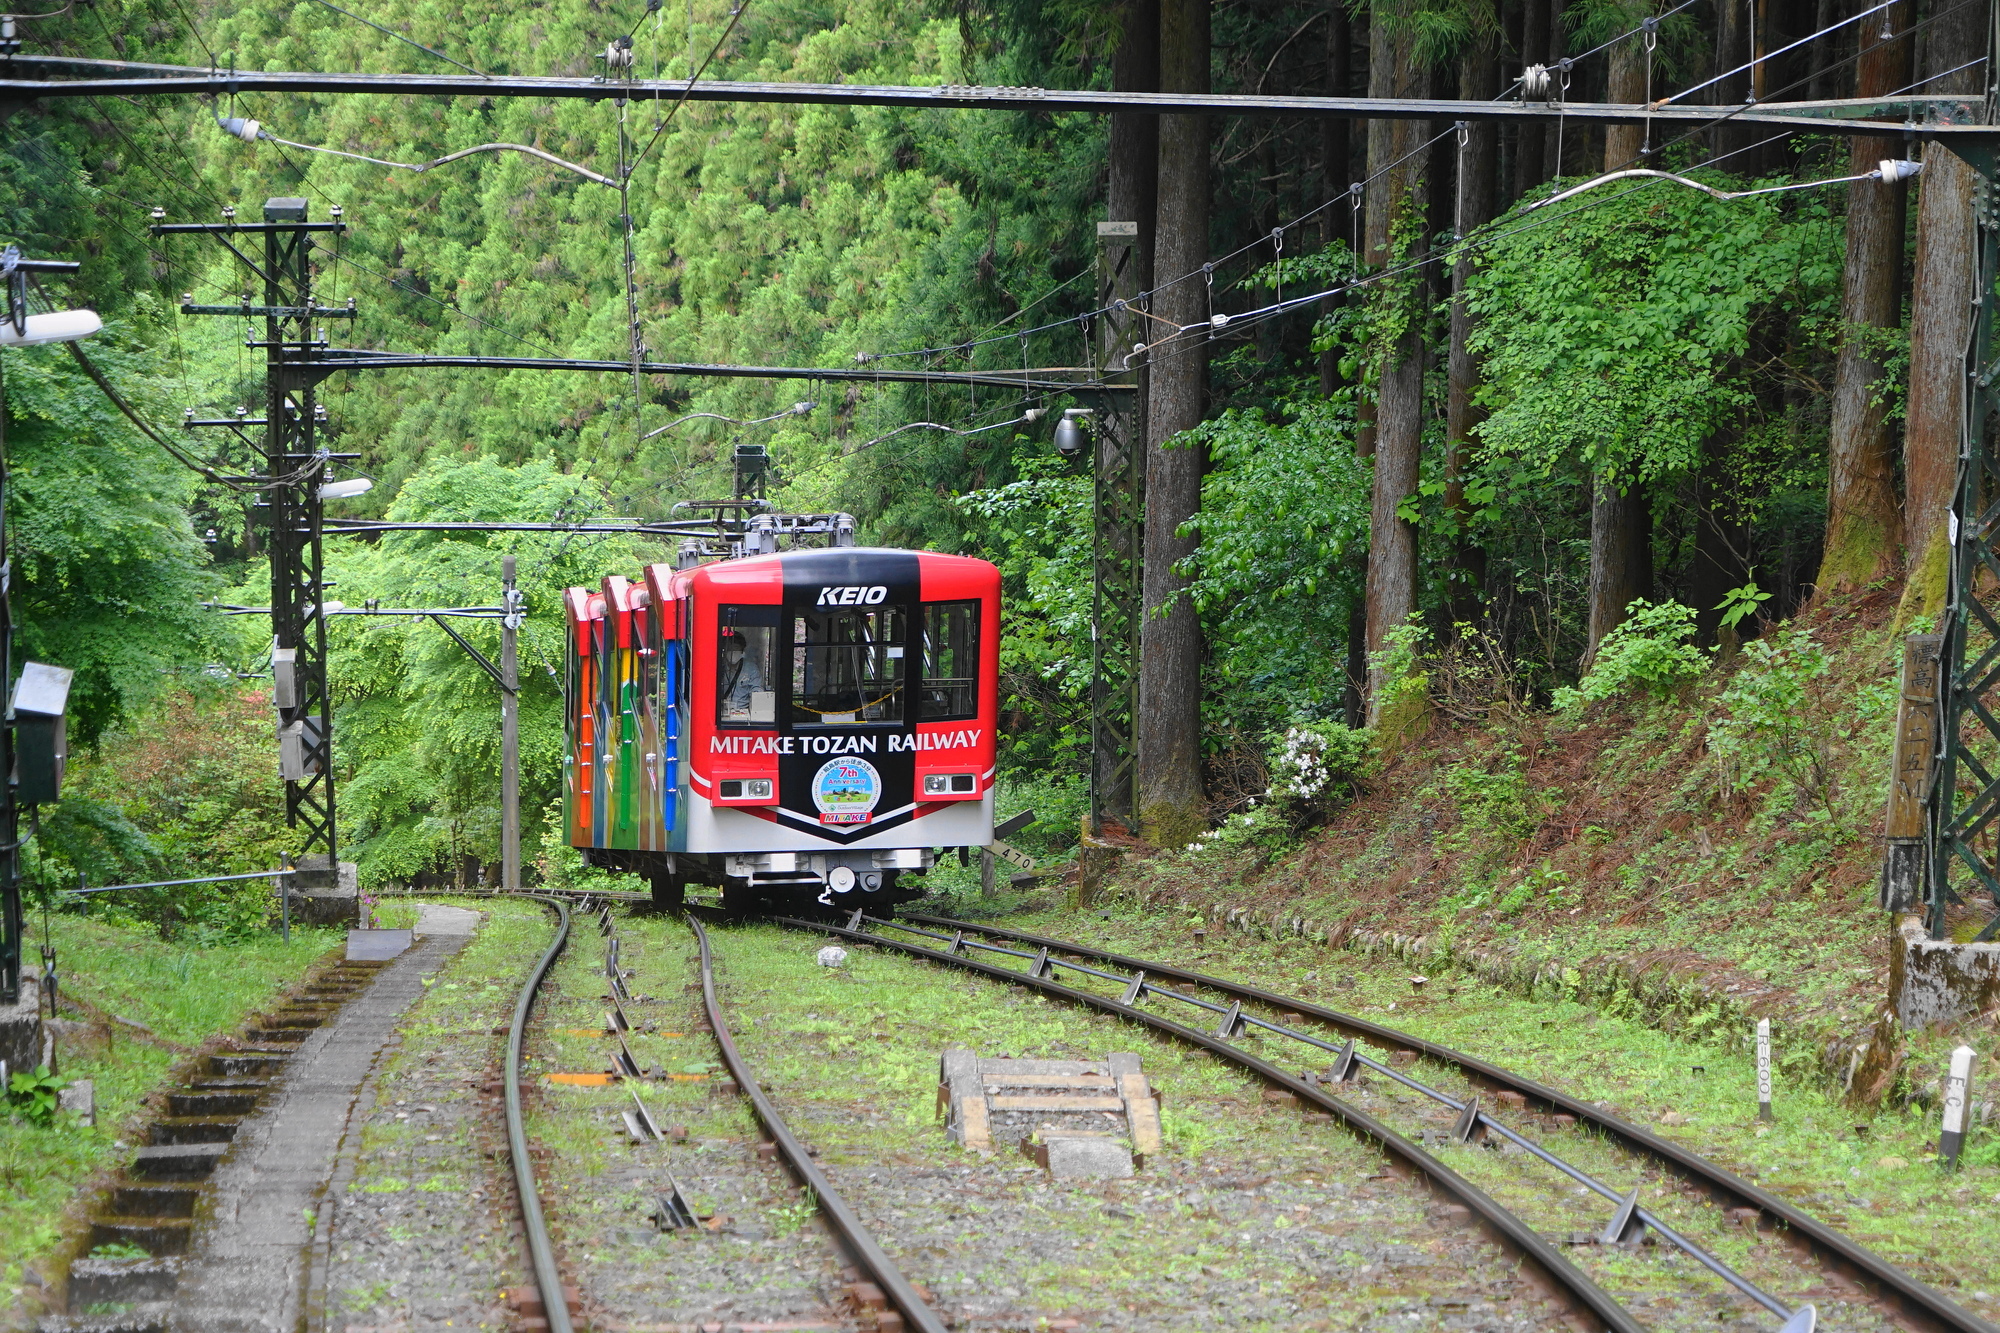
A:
(1137, 988)
(121, 78)
(547, 1279)
(867, 1251)
(1915, 1299)
(1565, 1279)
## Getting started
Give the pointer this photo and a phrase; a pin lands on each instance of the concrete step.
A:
(228, 1083)
(155, 1200)
(212, 1103)
(155, 1235)
(122, 1281)
(287, 1037)
(194, 1129)
(236, 1066)
(150, 1317)
(288, 1019)
(177, 1161)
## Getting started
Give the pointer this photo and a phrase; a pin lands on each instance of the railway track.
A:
(541, 1253)
(861, 1248)
(1233, 1009)
(856, 1245)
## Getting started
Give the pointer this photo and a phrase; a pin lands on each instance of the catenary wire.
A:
(735, 15)
(391, 32)
(795, 410)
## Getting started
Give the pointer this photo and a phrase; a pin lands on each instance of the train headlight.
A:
(757, 788)
(950, 784)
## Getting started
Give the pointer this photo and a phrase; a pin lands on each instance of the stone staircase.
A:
(156, 1203)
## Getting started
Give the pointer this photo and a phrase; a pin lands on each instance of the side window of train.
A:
(746, 667)
(847, 666)
(950, 686)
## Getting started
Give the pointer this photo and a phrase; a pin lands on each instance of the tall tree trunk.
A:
(1534, 47)
(1721, 536)
(1621, 561)
(1626, 84)
(1621, 523)
(1171, 809)
(1334, 151)
(1478, 80)
(1940, 302)
(1399, 420)
(1555, 146)
(1134, 187)
(1864, 522)
(1732, 51)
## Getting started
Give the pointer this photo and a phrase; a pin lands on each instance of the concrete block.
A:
(80, 1100)
(21, 1029)
(320, 896)
(1088, 1159)
(374, 946)
(1936, 982)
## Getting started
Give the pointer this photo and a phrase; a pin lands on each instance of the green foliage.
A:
(1401, 660)
(1283, 522)
(1739, 604)
(1652, 650)
(1621, 335)
(1037, 530)
(417, 727)
(34, 1096)
(1495, 802)
(1775, 718)
(107, 568)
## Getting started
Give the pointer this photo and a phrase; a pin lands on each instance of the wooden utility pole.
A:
(1864, 522)
(1171, 809)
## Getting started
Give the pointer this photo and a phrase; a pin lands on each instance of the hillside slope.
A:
(1709, 856)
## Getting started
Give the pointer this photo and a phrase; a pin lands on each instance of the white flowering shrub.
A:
(1314, 769)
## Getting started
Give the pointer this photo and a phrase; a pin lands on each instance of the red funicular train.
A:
(796, 727)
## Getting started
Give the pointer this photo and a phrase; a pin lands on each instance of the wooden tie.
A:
(972, 1091)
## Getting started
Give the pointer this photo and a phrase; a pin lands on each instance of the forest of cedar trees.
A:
(1514, 455)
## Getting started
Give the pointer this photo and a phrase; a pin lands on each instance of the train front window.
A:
(950, 686)
(745, 667)
(847, 666)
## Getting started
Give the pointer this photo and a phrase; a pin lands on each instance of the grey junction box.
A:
(41, 739)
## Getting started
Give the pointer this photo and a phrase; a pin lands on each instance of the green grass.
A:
(183, 995)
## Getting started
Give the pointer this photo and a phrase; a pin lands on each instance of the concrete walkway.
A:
(247, 1272)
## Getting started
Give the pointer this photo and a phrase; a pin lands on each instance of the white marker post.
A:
(1956, 1085)
(1764, 1070)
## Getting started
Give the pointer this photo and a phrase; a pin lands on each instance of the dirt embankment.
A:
(1708, 858)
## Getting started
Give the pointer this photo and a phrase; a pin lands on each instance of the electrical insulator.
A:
(618, 55)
